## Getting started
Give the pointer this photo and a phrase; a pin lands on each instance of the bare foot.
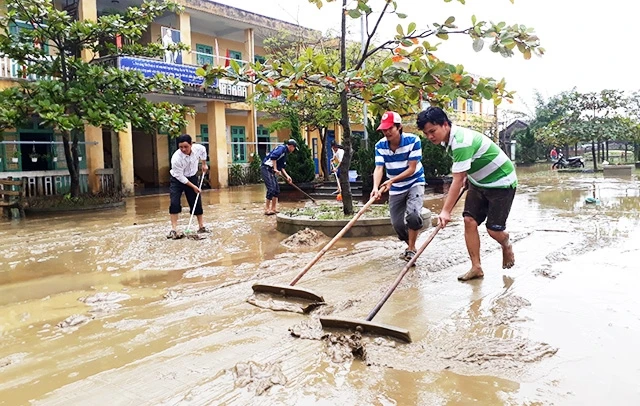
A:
(474, 273)
(508, 258)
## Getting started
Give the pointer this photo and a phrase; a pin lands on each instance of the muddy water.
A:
(101, 308)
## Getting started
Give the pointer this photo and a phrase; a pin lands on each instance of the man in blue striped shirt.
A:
(400, 154)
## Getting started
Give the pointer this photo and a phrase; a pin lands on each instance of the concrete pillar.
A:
(162, 156)
(249, 51)
(184, 24)
(125, 143)
(218, 147)
(95, 155)
(191, 129)
(87, 10)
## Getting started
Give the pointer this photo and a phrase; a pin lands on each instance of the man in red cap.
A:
(401, 153)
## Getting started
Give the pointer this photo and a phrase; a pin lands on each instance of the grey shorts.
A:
(406, 211)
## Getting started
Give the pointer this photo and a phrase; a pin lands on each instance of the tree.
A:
(527, 148)
(406, 73)
(76, 85)
(300, 164)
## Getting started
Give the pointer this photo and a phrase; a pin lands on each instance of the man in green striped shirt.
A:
(492, 184)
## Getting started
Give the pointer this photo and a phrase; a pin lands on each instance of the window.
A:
(203, 138)
(204, 54)
(260, 59)
(454, 104)
(469, 105)
(235, 55)
(264, 142)
(238, 145)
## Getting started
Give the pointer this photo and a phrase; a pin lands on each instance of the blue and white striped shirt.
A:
(396, 162)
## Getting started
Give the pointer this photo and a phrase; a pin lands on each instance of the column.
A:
(218, 146)
(191, 128)
(87, 10)
(95, 155)
(184, 24)
(125, 140)
(249, 51)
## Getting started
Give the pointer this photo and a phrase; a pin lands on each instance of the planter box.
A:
(625, 171)
(362, 228)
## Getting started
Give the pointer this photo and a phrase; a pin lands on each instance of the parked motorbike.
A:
(573, 162)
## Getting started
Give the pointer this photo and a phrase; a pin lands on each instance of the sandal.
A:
(269, 213)
(408, 255)
(203, 230)
(174, 235)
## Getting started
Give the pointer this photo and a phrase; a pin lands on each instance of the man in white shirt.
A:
(336, 159)
(184, 167)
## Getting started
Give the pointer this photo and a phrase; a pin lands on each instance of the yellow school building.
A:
(225, 121)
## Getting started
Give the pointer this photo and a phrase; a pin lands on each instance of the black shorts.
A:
(493, 205)
(175, 194)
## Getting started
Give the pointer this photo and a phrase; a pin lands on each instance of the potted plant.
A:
(34, 156)
(15, 157)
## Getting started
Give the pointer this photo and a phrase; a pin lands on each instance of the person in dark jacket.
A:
(273, 165)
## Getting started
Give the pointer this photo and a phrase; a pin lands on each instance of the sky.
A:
(589, 45)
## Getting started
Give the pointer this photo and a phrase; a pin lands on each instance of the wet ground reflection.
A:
(100, 308)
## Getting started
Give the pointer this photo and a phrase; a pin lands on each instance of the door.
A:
(145, 162)
(314, 146)
(238, 145)
(204, 55)
(331, 136)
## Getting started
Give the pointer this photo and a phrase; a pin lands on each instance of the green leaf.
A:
(354, 13)
(473, 19)
(442, 35)
(412, 28)
(401, 15)
(406, 43)
(400, 30)
(450, 20)
(478, 44)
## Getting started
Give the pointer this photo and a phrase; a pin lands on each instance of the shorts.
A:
(175, 194)
(493, 205)
(406, 211)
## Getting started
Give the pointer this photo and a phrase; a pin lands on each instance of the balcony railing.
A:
(11, 69)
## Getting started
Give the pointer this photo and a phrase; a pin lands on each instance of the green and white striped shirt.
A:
(487, 166)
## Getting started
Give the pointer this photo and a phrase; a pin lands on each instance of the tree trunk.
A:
(599, 150)
(575, 149)
(71, 157)
(606, 144)
(323, 153)
(626, 145)
(593, 155)
(347, 200)
(636, 153)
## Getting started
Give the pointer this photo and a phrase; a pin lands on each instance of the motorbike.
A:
(573, 162)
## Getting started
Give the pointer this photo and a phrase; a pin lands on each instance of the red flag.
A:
(226, 61)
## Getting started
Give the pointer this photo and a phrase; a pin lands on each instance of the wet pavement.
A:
(100, 308)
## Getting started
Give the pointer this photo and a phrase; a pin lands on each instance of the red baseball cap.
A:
(389, 118)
